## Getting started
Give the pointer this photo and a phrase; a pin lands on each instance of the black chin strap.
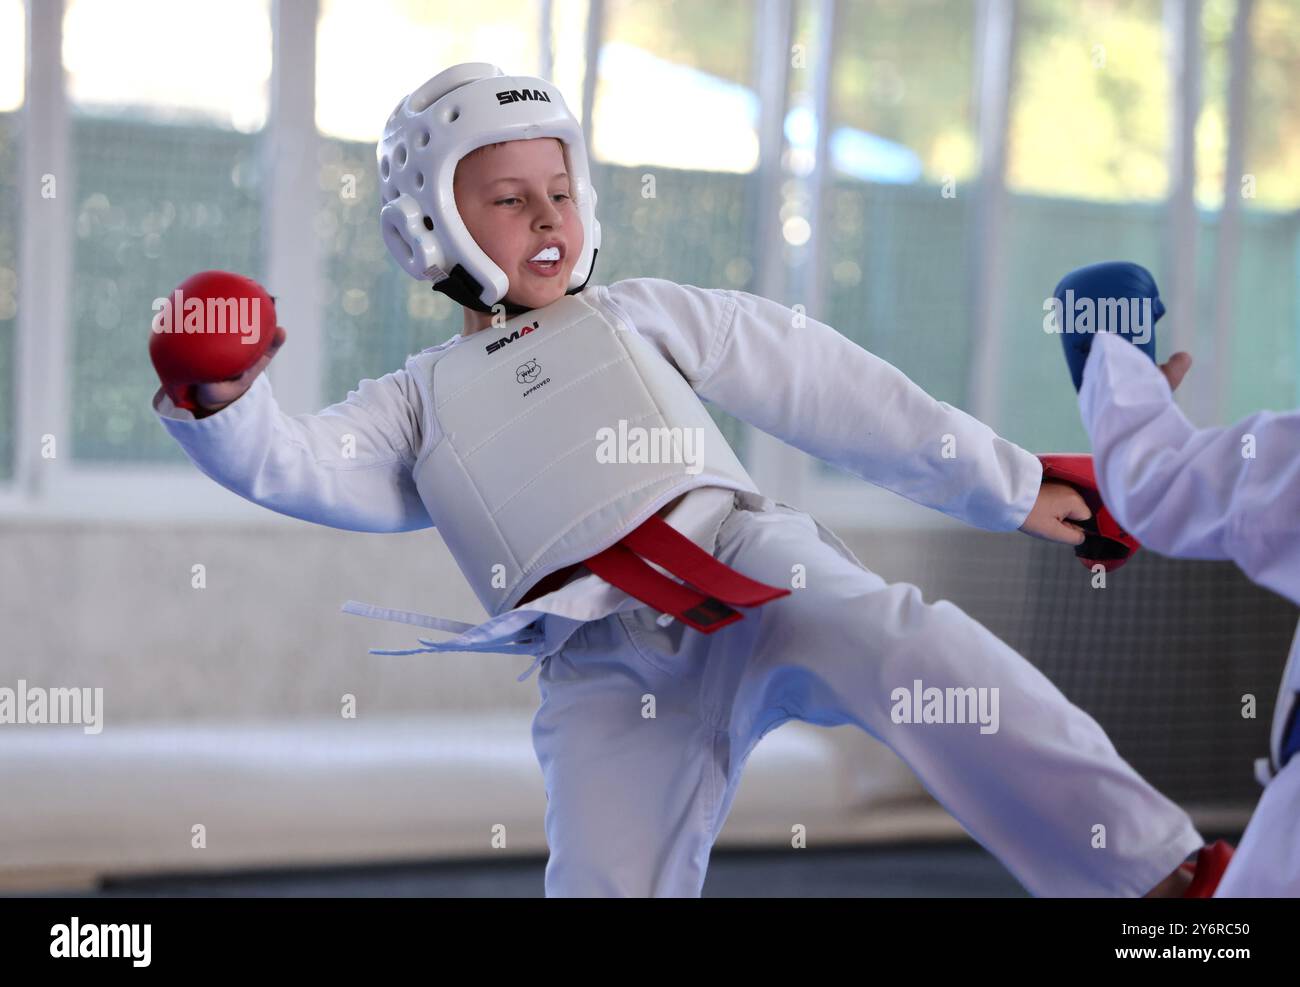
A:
(464, 289)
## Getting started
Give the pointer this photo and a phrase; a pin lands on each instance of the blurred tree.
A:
(1273, 140)
(714, 37)
(1090, 112)
(905, 72)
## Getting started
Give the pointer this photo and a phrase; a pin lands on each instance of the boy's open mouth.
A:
(546, 262)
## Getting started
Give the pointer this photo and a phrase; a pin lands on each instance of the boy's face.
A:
(515, 199)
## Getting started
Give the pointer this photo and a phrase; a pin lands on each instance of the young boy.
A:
(645, 723)
(1230, 492)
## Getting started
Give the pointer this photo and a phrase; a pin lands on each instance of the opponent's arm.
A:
(1230, 492)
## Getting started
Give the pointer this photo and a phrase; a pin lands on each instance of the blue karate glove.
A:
(1116, 296)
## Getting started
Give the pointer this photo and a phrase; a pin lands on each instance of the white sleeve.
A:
(807, 384)
(349, 466)
(1231, 492)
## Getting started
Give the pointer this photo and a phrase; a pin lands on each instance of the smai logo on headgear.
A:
(496, 344)
(518, 95)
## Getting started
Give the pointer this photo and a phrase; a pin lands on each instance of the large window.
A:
(1088, 168)
(1273, 131)
(169, 144)
(1090, 113)
(897, 218)
(165, 177)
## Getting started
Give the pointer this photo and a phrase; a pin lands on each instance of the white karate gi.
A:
(635, 803)
(1195, 494)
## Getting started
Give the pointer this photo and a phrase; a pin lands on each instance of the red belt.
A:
(704, 607)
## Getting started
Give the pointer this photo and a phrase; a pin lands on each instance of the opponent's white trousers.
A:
(635, 803)
(1266, 863)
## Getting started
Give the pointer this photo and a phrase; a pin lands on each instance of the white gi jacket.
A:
(1193, 493)
(809, 386)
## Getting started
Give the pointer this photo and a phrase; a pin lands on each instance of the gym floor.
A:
(963, 870)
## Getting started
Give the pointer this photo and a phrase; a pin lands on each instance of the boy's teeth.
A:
(550, 253)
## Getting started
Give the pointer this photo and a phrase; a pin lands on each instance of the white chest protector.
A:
(556, 436)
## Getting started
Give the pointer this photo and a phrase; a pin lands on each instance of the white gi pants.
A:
(1266, 864)
(635, 803)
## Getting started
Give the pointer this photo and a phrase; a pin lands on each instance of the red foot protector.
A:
(1105, 542)
(662, 544)
(1211, 862)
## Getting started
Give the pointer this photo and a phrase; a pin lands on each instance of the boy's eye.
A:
(515, 198)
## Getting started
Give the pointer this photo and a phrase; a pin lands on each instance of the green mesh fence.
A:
(897, 276)
(154, 204)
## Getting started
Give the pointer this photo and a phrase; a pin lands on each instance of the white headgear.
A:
(462, 108)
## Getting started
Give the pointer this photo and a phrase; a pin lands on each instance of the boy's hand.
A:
(215, 396)
(1057, 505)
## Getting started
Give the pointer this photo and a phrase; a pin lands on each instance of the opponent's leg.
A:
(1267, 861)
